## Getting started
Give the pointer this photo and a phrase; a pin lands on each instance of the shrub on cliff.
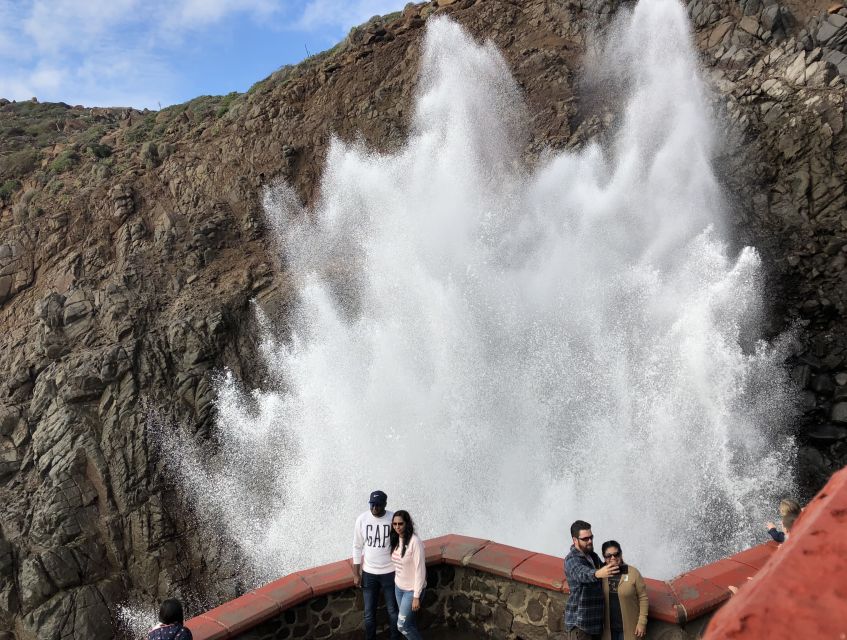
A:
(140, 131)
(18, 163)
(99, 150)
(225, 103)
(65, 160)
(8, 188)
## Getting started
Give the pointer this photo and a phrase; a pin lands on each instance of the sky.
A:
(155, 53)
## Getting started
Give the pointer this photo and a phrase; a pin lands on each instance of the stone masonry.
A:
(457, 598)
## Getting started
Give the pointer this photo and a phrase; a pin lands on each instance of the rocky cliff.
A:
(132, 244)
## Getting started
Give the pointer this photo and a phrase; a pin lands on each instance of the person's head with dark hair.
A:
(171, 612)
(577, 526)
(612, 552)
(401, 527)
(582, 537)
(377, 503)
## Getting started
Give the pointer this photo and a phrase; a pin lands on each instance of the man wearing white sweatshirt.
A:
(372, 564)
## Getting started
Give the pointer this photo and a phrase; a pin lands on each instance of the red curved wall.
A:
(684, 598)
(796, 591)
(802, 591)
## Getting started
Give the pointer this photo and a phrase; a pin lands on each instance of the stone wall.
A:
(475, 586)
(337, 615)
(457, 598)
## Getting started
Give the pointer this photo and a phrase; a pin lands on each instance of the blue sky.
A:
(146, 53)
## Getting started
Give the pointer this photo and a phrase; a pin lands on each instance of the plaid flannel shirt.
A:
(585, 607)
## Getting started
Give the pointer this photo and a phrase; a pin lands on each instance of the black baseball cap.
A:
(378, 498)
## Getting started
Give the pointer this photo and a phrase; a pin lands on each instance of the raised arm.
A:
(777, 535)
(578, 572)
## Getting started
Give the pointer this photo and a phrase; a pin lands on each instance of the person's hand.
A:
(416, 604)
(357, 575)
(640, 631)
(608, 570)
(770, 525)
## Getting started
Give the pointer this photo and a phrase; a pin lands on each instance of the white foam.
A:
(504, 349)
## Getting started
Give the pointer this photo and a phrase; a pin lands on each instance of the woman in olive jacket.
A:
(626, 598)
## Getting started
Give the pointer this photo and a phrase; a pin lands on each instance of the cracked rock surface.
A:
(131, 245)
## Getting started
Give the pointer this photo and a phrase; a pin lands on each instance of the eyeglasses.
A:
(398, 524)
(586, 538)
(612, 555)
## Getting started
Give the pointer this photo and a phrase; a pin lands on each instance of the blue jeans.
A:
(406, 619)
(372, 584)
(617, 635)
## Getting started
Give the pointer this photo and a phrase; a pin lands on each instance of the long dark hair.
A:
(408, 530)
(171, 612)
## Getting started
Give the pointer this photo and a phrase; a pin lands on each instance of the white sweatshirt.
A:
(371, 543)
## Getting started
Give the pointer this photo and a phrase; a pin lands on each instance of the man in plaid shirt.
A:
(584, 610)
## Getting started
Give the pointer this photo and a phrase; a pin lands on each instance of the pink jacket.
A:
(410, 570)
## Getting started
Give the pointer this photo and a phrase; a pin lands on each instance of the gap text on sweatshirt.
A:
(371, 543)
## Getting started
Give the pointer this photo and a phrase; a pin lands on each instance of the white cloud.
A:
(136, 81)
(102, 52)
(10, 39)
(46, 78)
(340, 15)
(70, 25)
(79, 25)
(193, 13)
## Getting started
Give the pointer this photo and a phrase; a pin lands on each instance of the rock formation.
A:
(132, 244)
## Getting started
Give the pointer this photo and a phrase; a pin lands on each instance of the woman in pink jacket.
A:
(409, 558)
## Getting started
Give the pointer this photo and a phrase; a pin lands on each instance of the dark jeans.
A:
(617, 635)
(578, 634)
(371, 586)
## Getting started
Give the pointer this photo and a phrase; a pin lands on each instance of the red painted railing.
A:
(687, 597)
(800, 589)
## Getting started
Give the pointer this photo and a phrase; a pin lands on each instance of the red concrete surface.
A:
(697, 596)
(329, 577)
(434, 548)
(244, 613)
(726, 572)
(204, 628)
(663, 603)
(458, 550)
(287, 592)
(499, 559)
(543, 571)
(756, 557)
(802, 591)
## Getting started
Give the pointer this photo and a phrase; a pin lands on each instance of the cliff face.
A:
(131, 245)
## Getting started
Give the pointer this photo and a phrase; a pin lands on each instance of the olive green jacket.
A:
(632, 594)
